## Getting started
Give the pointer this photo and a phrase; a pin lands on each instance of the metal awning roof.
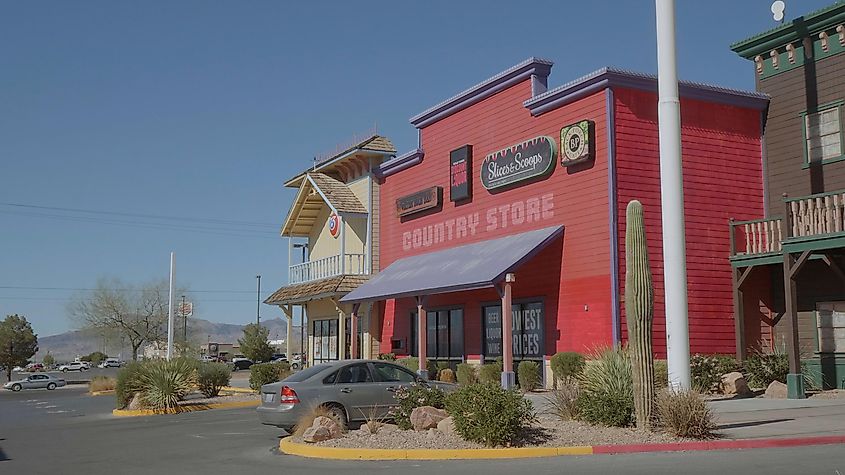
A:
(472, 266)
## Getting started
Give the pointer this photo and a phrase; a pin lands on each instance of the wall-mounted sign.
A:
(334, 225)
(577, 143)
(460, 167)
(530, 159)
(527, 325)
(419, 201)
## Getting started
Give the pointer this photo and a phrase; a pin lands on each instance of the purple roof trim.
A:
(402, 162)
(612, 77)
(471, 266)
(522, 71)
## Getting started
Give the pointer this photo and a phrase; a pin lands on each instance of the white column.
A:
(672, 200)
(341, 334)
(353, 327)
(422, 338)
(170, 306)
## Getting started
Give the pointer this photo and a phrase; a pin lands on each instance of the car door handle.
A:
(346, 390)
(391, 389)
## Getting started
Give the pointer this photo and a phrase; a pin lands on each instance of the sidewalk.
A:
(761, 418)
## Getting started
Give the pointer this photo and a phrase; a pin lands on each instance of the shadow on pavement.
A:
(3, 454)
(737, 425)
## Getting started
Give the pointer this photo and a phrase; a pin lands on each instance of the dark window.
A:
(444, 334)
(325, 340)
(330, 379)
(357, 373)
(386, 372)
(306, 373)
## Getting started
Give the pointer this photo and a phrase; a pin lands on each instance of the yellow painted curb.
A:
(290, 447)
(101, 393)
(187, 408)
(232, 389)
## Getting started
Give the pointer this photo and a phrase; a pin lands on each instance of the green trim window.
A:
(831, 327)
(823, 135)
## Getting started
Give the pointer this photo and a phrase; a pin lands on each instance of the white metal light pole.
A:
(170, 307)
(672, 200)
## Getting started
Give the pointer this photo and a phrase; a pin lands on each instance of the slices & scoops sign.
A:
(530, 159)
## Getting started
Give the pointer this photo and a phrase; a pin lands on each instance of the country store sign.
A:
(530, 159)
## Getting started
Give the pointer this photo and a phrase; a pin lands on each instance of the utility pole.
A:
(258, 303)
(672, 200)
(170, 306)
(185, 322)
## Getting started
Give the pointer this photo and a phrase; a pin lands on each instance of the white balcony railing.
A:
(348, 264)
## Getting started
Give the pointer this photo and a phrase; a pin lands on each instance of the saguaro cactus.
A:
(639, 312)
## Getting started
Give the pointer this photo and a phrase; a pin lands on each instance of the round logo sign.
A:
(334, 225)
(574, 143)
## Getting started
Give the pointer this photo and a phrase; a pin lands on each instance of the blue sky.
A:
(200, 110)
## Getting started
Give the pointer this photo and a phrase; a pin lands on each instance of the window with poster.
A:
(528, 321)
(444, 335)
(325, 340)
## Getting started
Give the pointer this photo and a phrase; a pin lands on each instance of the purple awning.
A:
(472, 266)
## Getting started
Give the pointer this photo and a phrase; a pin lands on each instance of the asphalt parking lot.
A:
(66, 431)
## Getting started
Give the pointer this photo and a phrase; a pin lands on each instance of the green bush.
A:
(706, 371)
(266, 373)
(212, 377)
(410, 397)
(467, 374)
(661, 374)
(412, 363)
(446, 376)
(490, 374)
(387, 356)
(607, 393)
(164, 383)
(440, 366)
(567, 365)
(684, 414)
(529, 375)
(762, 369)
(126, 385)
(488, 414)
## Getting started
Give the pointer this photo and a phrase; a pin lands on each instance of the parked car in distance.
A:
(34, 368)
(241, 363)
(75, 366)
(36, 381)
(18, 369)
(279, 357)
(350, 390)
(110, 363)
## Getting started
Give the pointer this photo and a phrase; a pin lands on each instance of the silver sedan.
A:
(36, 381)
(352, 390)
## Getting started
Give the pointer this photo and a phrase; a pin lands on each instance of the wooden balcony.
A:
(347, 264)
(815, 221)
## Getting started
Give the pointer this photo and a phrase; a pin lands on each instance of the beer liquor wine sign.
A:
(419, 201)
(527, 330)
(460, 167)
(530, 159)
(577, 143)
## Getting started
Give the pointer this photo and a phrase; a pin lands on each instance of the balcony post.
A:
(290, 248)
(342, 245)
(732, 237)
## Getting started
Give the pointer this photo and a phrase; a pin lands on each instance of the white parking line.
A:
(57, 412)
(49, 407)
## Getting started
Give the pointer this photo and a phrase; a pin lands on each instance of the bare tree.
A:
(137, 315)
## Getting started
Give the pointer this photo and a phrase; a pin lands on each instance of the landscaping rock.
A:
(316, 434)
(135, 404)
(735, 384)
(427, 417)
(776, 390)
(446, 426)
(329, 424)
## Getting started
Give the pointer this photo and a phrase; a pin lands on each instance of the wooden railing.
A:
(806, 216)
(348, 264)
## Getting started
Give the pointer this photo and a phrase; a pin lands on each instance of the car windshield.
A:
(307, 373)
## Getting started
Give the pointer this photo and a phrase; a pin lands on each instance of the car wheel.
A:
(337, 413)
(64, 370)
(51, 386)
(16, 387)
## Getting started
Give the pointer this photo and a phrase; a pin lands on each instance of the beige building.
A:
(332, 231)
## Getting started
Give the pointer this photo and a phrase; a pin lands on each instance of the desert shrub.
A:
(164, 383)
(529, 375)
(439, 366)
(467, 374)
(306, 420)
(684, 414)
(563, 401)
(102, 383)
(415, 395)
(490, 374)
(567, 365)
(387, 356)
(266, 373)
(126, 384)
(211, 377)
(412, 363)
(446, 375)
(762, 368)
(607, 392)
(661, 374)
(706, 371)
(488, 414)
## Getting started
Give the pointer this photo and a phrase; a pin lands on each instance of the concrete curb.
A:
(232, 389)
(289, 447)
(186, 408)
(102, 393)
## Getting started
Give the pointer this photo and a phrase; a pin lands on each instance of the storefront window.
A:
(444, 334)
(528, 318)
(325, 340)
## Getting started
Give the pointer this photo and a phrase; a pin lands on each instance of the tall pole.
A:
(170, 307)
(258, 304)
(672, 200)
(184, 321)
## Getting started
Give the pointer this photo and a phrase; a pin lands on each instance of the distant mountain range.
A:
(67, 346)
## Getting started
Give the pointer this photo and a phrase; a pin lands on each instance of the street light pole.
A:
(185, 322)
(258, 303)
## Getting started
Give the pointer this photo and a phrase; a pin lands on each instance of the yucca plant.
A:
(163, 383)
(607, 391)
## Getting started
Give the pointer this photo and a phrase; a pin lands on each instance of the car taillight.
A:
(288, 396)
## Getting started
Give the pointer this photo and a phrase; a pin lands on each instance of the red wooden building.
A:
(512, 178)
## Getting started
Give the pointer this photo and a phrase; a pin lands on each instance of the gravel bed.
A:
(548, 431)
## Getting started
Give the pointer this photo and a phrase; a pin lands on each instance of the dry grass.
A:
(563, 402)
(307, 419)
(684, 414)
(373, 420)
(102, 383)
